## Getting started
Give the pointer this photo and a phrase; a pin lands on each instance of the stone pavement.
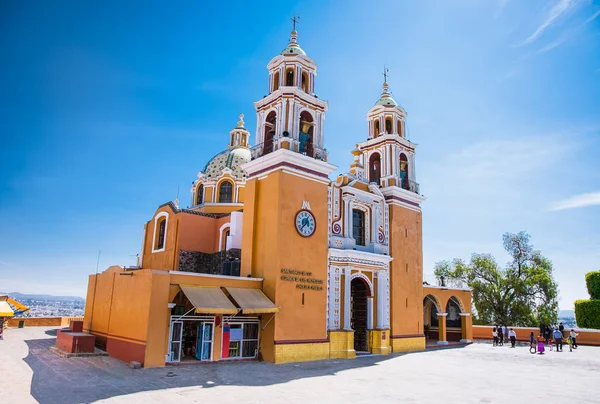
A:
(478, 373)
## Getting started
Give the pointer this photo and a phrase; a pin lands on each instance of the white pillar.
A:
(380, 300)
(370, 312)
(347, 294)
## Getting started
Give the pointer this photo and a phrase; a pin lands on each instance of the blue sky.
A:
(108, 109)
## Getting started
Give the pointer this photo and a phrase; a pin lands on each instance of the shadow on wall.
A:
(77, 380)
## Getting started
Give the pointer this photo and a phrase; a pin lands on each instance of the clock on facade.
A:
(305, 223)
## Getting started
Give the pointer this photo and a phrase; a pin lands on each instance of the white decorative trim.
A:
(442, 314)
(404, 194)
(161, 214)
(287, 156)
(442, 342)
(446, 288)
(364, 278)
(464, 314)
(225, 226)
(215, 276)
(359, 257)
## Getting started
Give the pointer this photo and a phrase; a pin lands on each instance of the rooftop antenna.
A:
(177, 198)
(385, 73)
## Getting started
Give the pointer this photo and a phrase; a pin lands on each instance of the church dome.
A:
(293, 48)
(386, 98)
(232, 158)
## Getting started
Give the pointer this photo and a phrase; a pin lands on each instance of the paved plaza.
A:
(478, 373)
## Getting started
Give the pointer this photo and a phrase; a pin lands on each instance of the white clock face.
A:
(305, 223)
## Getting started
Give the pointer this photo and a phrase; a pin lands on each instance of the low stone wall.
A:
(199, 262)
(585, 337)
(42, 321)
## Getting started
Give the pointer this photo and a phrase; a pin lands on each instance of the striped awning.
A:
(252, 301)
(5, 309)
(208, 299)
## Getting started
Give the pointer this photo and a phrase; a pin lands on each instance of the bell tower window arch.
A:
(306, 134)
(359, 227)
(375, 168)
(276, 81)
(305, 84)
(289, 77)
(404, 182)
(159, 239)
(389, 125)
(269, 131)
(376, 128)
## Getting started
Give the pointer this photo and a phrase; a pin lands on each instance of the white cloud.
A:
(568, 35)
(500, 8)
(593, 17)
(560, 8)
(577, 201)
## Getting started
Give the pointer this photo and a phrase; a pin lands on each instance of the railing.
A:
(263, 149)
(410, 185)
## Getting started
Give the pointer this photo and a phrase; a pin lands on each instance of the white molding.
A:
(166, 215)
(286, 156)
(398, 192)
(366, 279)
(225, 226)
(215, 276)
(442, 342)
(442, 314)
(464, 314)
(359, 257)
(445, 288)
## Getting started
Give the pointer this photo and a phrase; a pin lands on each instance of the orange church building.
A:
(273, 259)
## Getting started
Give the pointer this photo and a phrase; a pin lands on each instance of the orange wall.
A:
(117, 310)
(406, 299)
(444, 295)
(164, 259)
(585, 337)
(198, 233)
(35, 321)
(270, 242)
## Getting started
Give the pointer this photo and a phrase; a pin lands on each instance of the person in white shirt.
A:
(573, 338)
(513, 337)
(495, 335)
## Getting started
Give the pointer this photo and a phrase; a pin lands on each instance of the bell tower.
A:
(285, 234)
(291, 116)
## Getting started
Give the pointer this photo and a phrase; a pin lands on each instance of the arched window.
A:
(388, 125)
(306, 134)
(375, 168)
(225, 192)
(453, 310)
(160, 232)
(276, 81)
(200, 195)
(400, 128)
(289, 77)
(270, 123)
(377, 128)
(305, 82)
(358, 226)
(404, 182)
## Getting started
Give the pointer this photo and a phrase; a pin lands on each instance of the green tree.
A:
(523, 293)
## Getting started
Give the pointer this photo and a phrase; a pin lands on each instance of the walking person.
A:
(558, 338)
(532, 342)
(500, 336)
(506, 333)
(573, 336)
(540, 344)
(561, 328)
(495, 335)
(513, 337)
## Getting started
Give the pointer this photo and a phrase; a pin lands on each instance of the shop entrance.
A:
(191, 338)
(358, 319)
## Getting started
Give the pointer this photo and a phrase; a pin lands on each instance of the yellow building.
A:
(274, 260)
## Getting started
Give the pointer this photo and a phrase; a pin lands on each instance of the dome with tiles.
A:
(230, 158)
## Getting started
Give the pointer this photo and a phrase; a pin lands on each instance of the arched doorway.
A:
(375, 168)
(269, 132)
(358, 317)
(453, 320)
(430, 317)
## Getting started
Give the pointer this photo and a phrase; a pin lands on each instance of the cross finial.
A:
(296, 20)
(385, 73)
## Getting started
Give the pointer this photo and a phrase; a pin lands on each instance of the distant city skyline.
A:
(111, 110)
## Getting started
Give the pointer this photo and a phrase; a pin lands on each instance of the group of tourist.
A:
(500, 335)
(549, 335)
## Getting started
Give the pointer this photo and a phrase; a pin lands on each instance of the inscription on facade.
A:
(303, 279)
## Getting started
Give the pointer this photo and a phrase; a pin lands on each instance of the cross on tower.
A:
(385, 73)
(296, 20)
